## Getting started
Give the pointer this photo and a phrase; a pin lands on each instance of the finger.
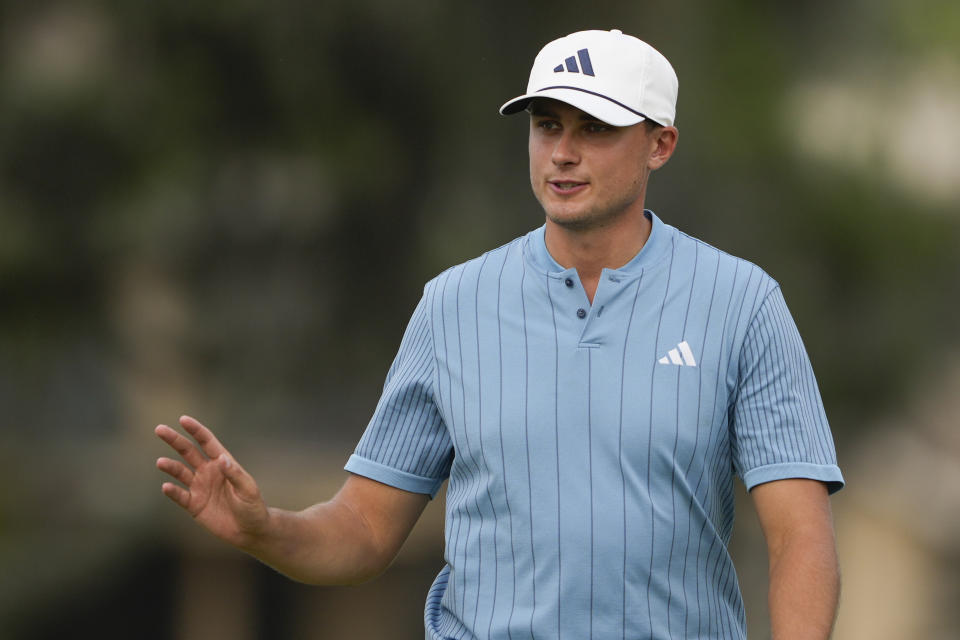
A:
(204, 437)
(241, 480)
(187, 450)
(178, 494)
(176, 469)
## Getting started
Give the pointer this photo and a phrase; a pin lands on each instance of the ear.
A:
(665, 141)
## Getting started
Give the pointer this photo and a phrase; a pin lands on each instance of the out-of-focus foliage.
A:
(230, 208)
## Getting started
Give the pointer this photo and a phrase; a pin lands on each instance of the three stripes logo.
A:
(681, 356)
(570, 64)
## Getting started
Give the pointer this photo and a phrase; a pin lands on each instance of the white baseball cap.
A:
(612, 76)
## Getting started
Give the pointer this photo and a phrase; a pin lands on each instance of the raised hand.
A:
(216, 491)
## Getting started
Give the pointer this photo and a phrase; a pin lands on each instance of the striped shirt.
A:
(591, 448)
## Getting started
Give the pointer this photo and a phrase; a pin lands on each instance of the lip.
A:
(567, 187)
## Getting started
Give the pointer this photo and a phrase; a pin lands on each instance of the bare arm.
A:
(347, 540)
(350, 539)
(804, 572)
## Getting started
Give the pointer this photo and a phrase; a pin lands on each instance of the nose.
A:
(565, 150)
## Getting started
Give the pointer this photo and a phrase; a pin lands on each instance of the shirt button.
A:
(581, 313)
(568, 282)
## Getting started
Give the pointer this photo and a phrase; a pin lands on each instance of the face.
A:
(587, 173)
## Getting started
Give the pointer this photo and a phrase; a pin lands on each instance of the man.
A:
(589, 389)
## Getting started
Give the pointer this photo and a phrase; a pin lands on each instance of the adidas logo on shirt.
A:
(586, 67)
(681, 356)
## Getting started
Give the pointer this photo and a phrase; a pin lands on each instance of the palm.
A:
(210, 495)
(223, 499)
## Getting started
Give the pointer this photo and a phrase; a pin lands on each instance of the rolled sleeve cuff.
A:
(393, 477)
(828, 474)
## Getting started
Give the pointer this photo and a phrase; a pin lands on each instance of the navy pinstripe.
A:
(503, 465)
(589, 459)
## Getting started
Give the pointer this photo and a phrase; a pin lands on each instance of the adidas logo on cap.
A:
(583, 55)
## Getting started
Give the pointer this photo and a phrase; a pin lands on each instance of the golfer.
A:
(589, 391)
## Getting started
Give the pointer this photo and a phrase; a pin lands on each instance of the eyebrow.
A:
(547, 112)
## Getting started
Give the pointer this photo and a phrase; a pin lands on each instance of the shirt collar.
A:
(656, 246)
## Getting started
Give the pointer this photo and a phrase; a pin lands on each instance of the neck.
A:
(593, 249)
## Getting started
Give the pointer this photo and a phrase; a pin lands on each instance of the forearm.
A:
(804, 587)
(327, 544)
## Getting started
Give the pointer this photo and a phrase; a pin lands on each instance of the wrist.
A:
(258, 533)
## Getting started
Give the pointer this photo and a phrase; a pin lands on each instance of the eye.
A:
(548, 125)
(597, 127)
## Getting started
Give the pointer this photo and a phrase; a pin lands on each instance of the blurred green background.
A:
(229, 210)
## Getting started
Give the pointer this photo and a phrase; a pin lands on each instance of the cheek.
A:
(535, 173)
(538, 162)
(535, 148)
(625, 180)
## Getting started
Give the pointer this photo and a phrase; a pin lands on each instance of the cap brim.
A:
(597, 105)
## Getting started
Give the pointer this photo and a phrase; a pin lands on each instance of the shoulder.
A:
(740, 275)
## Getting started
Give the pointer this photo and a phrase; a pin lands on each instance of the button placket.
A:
(609, 286)
(570, 283)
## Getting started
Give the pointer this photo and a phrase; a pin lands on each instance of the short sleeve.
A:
(406, 444)
(779, 427)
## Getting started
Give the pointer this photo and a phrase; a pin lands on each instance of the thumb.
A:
(236, 476)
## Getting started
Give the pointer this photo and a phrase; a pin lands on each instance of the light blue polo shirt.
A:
(591, 449)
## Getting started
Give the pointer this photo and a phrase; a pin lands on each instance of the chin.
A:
(574, 222)
(565, 212)
(585, 216)
(578, 218)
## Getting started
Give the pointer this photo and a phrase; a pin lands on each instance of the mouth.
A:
(567, 187)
